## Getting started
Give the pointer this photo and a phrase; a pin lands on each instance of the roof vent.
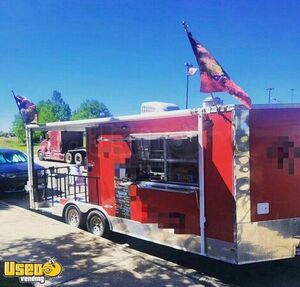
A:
(154, 107)
(212, 101)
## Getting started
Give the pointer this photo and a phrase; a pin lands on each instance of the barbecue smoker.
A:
(220, 182)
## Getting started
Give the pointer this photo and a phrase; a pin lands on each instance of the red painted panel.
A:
(218, 165)
(93, 164)
(275, 162)
(168, 209)
(111, 152)
(102, 158)
(184, 123)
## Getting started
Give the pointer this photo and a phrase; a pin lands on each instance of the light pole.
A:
(188, 66)
(270, 90)
(292, 95)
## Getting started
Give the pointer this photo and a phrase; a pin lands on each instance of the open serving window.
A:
(165, 159)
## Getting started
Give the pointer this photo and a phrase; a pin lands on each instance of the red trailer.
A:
(221, 182)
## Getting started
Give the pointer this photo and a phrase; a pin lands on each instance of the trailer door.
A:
(113, 151)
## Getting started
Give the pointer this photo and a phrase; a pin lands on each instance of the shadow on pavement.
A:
(72, 255)
(279, 273)
(16, 198)
(95, 264)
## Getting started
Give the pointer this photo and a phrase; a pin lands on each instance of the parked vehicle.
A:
(14, 170)
(221, 182)
(63, 146)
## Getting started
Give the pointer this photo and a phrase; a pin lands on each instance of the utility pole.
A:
(270, 91)
(292, 95)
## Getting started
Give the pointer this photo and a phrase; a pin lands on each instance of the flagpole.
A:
(18, 106)
(185, 26)
(214, 102)
(187, 91)
(213, 98)
(188, 66)
(186, 29)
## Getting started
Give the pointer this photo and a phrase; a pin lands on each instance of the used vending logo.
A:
(32, 272)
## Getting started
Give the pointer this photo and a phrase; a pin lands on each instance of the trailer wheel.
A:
(78, 158)
(73, 216)
(40, 155)
(69, 158)
(97, 224)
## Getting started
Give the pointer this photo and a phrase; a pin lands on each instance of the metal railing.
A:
(63, 182)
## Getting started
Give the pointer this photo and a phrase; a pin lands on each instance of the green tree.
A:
(18, 128)
(91, 109)
(61, 108)
(46, 112)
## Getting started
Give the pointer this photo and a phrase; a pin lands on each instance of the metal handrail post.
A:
(201, 185)
(30, 168)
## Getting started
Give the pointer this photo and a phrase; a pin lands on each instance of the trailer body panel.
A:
(275, 163)
(150, 177)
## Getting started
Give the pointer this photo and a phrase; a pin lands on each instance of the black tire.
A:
(41, 155)
(97, 224)
(69, 158)
(78, 158)
(73, 216)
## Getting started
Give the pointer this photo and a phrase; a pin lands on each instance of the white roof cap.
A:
(153, 107)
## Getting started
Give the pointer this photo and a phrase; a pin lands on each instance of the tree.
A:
(46, 112)
(91, 109)
(53, 110)
(19, 128)
(61, 108)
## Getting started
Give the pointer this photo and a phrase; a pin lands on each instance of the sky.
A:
(125, 52)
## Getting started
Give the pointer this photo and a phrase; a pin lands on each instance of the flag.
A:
(27, 109)
(212, 76)
(191, 71)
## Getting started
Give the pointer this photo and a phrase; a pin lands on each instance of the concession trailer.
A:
(222, 182)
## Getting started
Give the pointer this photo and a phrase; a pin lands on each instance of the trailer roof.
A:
(81, 125)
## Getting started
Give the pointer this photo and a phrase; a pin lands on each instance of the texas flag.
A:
(212, 76)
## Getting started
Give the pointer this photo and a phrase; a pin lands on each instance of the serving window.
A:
(165, 160)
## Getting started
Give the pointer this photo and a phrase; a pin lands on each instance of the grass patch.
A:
(10, 282)
(13, 143)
